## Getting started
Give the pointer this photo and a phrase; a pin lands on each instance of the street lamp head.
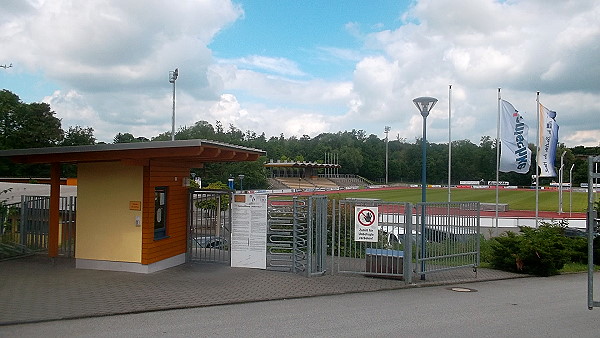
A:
(387, 129)
(425, 104)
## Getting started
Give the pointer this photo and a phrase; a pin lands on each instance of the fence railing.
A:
(25, 226)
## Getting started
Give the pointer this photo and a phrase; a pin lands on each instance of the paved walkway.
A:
(37, 288)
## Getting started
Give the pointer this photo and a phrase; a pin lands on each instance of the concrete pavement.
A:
(37, 288)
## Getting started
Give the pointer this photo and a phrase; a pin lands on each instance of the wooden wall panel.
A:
(156, 175)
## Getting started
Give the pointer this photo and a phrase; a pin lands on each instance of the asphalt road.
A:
(525, 307)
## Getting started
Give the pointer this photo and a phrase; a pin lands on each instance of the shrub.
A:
(542, 251)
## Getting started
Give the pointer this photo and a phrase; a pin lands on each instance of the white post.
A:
(173, 117)
(172, 78)
(387, 130)
(560, 183)
(497, 157)
(449, 141)
(571, 188)
(537, 163)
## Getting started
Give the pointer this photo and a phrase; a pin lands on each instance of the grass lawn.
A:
(516, 199)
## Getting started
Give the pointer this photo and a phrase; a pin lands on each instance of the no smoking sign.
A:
(366, 224)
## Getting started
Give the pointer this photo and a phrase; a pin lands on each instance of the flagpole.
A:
(537, 162)
(449, 140)
(497, 157)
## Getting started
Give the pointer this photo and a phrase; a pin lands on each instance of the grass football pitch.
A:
(516, 199)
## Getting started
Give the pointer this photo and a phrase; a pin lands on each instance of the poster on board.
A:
(249, 231)
(366, 224)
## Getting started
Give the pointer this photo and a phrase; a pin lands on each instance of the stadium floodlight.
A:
(172, 78)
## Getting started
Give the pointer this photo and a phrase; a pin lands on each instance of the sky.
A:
(306, 67)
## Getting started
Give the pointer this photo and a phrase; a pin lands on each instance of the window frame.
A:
(160, 232)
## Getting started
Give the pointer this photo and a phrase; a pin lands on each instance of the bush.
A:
(542, 251)
(211, 203)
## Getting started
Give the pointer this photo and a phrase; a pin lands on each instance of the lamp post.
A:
(387, 130)
(560, 182)
(424, 105)
(172, 78)
(571, 188)
(241, 177)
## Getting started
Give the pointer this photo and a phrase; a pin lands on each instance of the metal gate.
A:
(391, 255)
(448, 236)
(297, 234)
(209, 221)
(34, 224)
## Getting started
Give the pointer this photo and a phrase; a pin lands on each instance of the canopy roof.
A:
(190, 153)
(280, 164)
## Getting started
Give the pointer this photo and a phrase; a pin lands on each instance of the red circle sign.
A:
(366, 217)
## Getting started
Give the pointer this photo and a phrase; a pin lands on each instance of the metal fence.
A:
(390, 255)
(311, 234)
(447, 236)
(297, 234)
(209, 221)
(421, 239)
(26, 225)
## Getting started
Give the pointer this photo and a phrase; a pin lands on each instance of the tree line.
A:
(33, 125)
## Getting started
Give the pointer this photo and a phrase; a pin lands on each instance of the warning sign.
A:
(366, 224)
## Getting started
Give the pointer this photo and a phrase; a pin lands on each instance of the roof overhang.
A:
(301, 165)
(189, 153)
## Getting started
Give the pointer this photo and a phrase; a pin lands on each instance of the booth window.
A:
(160, 212)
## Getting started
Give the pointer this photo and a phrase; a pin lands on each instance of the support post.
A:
(54, 210)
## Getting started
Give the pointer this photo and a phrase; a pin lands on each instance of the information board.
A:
(249, 231)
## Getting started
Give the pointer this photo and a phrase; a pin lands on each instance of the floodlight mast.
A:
(387, 130)
(172, 78)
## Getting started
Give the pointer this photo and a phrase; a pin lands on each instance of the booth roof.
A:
(190, 151)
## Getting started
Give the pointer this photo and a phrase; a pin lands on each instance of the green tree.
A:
(78, 136)
(200, 130)
(211, 204)
(255, 174)
(25, 125)
(124, 138)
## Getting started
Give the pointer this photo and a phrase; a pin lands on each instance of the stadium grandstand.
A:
(309, 176)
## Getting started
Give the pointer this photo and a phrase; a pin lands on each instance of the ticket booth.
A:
(131, 198)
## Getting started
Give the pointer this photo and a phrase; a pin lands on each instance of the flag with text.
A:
(515, 155)
(548, 140)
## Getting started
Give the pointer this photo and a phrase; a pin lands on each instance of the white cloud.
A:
(280, 66)
(112, 58)
(115, 55)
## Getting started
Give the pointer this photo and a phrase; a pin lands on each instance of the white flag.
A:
(548, 133)
(514, 153)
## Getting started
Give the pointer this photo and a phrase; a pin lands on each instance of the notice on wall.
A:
(366, 224)
(249, 231)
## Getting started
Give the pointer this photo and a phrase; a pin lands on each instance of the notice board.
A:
(249, 231)
(366, 224)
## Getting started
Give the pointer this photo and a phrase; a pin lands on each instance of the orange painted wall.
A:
(156, 175)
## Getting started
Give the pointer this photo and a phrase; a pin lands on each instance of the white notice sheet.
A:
(249, 231)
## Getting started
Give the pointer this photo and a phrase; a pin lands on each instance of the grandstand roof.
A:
(301, 165)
